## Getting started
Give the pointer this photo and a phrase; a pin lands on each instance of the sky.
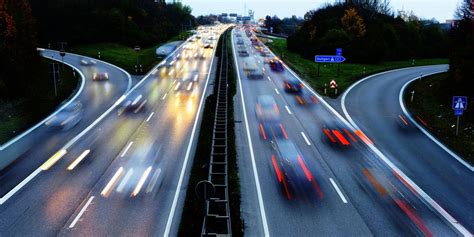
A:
(441, 10)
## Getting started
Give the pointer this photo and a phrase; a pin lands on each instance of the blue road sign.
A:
(329, 59)
(458, 112)
(459, 102)
(339, 51)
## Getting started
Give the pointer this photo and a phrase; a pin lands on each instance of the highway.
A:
(357, 191)
(125, 174)
(448, 180)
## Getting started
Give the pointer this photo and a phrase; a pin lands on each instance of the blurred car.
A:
(208, 44)
(87, 62)
(238, 35)
(67, 118)
(276, 65)
(188, 46)
(292, 85)
(100, 76)
(292, 172)
(184, 87)
(268, 117)
(133, 103)
(264, 52)
(251, 69)
(243, 53)
(240, 41)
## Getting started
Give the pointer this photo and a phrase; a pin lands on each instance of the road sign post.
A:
(333, 85)
(459, 105)
(412, 95)
(330, 59)
(137, 49)
(54, 72)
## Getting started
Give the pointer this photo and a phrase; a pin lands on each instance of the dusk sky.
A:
(427, 9)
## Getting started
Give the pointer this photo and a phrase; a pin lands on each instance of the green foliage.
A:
(374, 35)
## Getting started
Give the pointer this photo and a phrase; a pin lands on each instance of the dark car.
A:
(268, 116)
(292, 172)
(100, 76)
(243, 53)
(293, 85)
(276, 65)
(67, 118)
(133, 103)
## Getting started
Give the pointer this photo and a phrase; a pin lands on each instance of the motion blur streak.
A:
(141, 182)
(277, 170)
(403, 120)
(111, 183)
(326, 131)
(306, 171)
(340, 137)
(55, 158)
(363, 137)
(350, 135)
(415, 218)
(374, 182)
(284, 131)
(422, 121)
(405, 183)
(263, 131)
(78, 160)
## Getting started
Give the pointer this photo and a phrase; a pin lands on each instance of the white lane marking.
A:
(440, 144)
(126, 149)
(338, 190)
(80, 135)
(287, 109)
(277, 91)
(112, 181)
(305, 138)
(268, 77)
(81, 88)
(81, 213)
(153, 181)
(142, 181)
(188, 152)
(124, 180)
(149, 117)
(78, 159)
(249, 139)
(165, 95)
(420, 191)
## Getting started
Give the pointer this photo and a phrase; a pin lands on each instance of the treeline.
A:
(368, 33)
(285, 26)
(129, 22)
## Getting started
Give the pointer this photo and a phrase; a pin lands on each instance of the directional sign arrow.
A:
(329, 59)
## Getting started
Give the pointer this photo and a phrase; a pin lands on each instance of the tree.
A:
(353, 23)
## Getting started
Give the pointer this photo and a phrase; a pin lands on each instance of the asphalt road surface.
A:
(356, 192)
(436, 171)
(126, 174)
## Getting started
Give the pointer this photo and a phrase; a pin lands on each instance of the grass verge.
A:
(19, 115)
(192, 217)
(349, 72)
(432, 104)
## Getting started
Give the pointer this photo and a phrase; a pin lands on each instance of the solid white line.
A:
(440, 144)
(338, 190)
(188, 152)
(287, 109)
(252, 156)
(112, 182)
(81, 213)
(149, 117)
(277, 91)
(454, 223)
(80, 135)
(305, 138)
(126, 149)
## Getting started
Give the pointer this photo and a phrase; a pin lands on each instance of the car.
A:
(240, 41)
(243, 53)
(66, 118)
(264, 52)
(276, 65)
(188, 46)
(251, 69)
(268, 117)
(292, 85)
(133, 103)
(100, 76)
(291, 170)
(208, 44)
(184, 87)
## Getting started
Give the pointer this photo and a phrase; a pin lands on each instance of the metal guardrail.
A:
(217, 215)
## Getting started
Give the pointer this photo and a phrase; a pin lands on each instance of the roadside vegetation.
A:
(349, 72)
(192, 217)
(432, 103)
